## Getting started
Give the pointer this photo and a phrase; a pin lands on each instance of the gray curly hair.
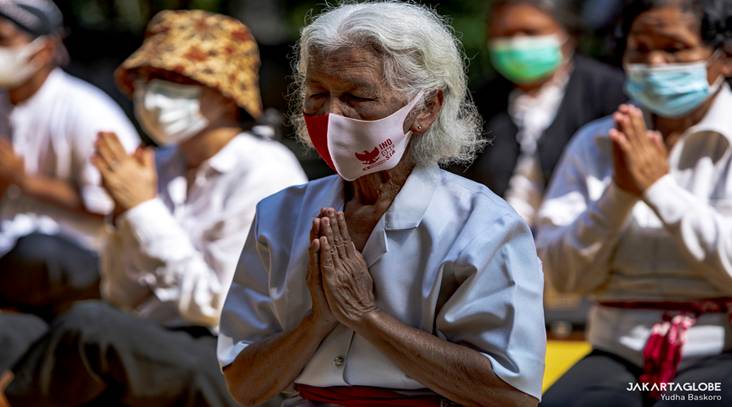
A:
(420, 53)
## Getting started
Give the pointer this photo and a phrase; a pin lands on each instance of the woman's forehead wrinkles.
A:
(357, 76)
(667, 32)
(663, 24)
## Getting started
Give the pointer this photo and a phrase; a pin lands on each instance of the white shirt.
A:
(171, 259)
(674, 244)
(54, 131)
(448, 257)
(532, 114)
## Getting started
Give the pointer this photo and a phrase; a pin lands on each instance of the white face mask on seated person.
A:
(169, 112)
(16, 65)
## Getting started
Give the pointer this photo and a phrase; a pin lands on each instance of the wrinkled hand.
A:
(12, 166)
(639, 155)
(129, 179)
(321, 312)
(348, 286)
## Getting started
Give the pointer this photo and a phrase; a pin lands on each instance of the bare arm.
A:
(46, 189)
(456, 372)
(264, 369)
(56, 192)
(251, 378)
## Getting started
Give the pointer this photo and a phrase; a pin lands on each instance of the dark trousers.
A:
(96, 355)
(44, 274)
(17, 333)
(601, 379)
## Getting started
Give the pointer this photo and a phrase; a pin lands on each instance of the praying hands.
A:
(639, 155)
(341, 286)
(129, 179)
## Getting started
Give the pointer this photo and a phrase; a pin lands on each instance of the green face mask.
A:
(526, 59)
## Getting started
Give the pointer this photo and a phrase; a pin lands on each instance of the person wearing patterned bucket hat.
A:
(181, 218)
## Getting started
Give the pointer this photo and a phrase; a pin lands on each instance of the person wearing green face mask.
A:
(544, 93)
(526, 59)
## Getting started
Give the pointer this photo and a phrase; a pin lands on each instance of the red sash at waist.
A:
(696, 307)
(364, 396)
(662, 351)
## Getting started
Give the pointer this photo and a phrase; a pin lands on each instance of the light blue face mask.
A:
(670, 90)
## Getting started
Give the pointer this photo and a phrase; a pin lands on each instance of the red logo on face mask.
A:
(368, 157)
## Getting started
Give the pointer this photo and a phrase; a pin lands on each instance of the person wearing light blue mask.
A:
(639, 217)
(671, 90)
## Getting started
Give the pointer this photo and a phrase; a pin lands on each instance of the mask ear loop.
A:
(714, 87)
(416, 100)
(30, 50)
(567, 60)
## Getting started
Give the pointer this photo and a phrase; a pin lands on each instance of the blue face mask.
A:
(670, 90)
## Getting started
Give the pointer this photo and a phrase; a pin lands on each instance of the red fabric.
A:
(318, 132)
(662, 351)
(363, 396)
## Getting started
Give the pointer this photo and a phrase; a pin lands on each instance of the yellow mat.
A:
(560, 356)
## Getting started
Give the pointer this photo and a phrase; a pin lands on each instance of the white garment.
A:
(171, 259)
(448, 257)
(674, 244)
(532, 114)
(54, 131)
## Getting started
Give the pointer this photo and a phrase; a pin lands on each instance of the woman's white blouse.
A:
(672, 244)
(170, 259)
(448, 257)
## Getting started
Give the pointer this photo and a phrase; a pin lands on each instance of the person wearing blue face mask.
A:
(544, 94)
(640, 217)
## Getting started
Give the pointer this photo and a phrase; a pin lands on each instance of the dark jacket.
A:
(594, 90)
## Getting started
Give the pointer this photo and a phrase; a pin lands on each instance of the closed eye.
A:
(355, 98)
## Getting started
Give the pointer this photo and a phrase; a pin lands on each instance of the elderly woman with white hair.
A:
(394, 282)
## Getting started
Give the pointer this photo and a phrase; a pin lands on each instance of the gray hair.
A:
(420, 53)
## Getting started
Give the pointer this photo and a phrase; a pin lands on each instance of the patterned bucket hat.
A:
(214, 50)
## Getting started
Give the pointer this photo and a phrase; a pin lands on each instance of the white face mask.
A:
(15, 66)
(354, 148)
(169, 112)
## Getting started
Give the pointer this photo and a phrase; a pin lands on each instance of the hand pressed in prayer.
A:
(12, 166)
(639, 155)
(320, 311)
(348, 286)
(129, 179)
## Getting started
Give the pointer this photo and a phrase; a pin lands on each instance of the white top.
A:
(532, 114)
(54, 131)
(448, 257)
(171, 259)
(674, 244)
